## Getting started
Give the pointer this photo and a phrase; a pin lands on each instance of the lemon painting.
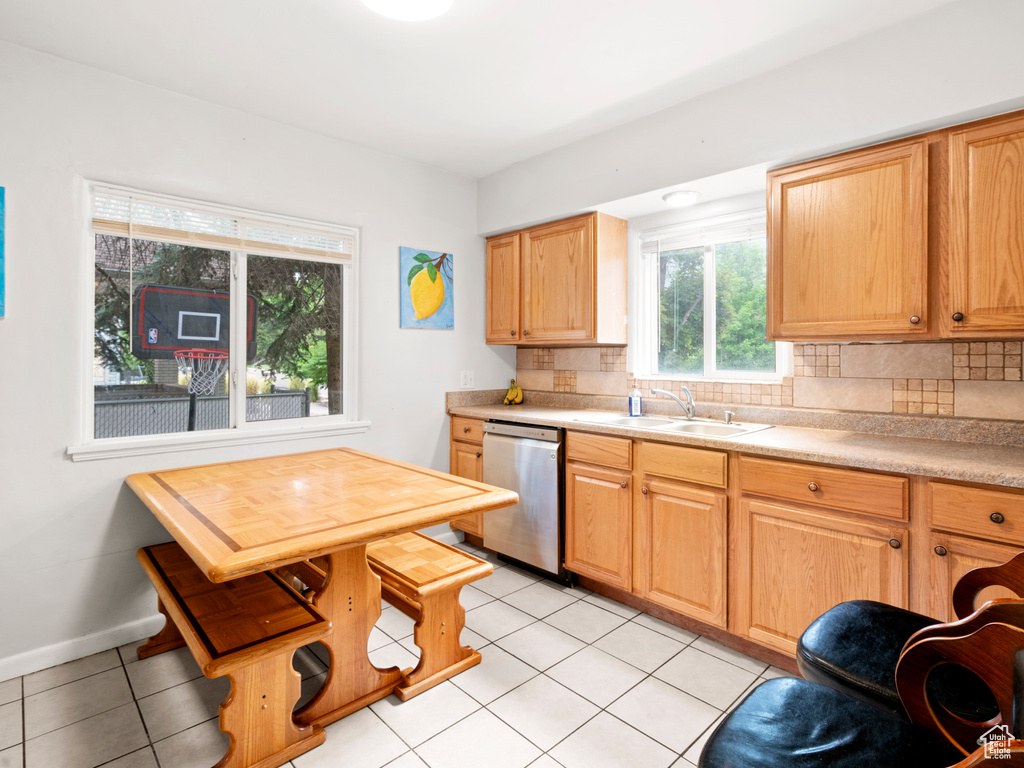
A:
(427, 295)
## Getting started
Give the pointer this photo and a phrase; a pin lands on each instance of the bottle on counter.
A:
(636, 407)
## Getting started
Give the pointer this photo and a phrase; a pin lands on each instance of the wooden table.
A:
(243, 517)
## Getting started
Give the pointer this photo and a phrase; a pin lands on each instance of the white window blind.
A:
(165, 219)
(722, 229)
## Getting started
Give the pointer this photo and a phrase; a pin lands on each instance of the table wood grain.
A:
(242, 517)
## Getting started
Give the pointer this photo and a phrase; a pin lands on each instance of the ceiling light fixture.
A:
(409, 10)
(680, 197)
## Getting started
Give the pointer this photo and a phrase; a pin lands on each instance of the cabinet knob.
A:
(940, 551)
(643, 490)
(465, 429)
(996, 517)
(895, 543)
(812, 487)
(958, 316)
(623, 484)
(526, 333)
(478, 454)
(915, 319)
(511, 333)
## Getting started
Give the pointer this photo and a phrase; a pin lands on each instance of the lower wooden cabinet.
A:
(466, 459)
(793, 565)
(681, 549)
(951, 557)
(598, 523)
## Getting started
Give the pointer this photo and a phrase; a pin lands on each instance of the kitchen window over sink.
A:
(703, 294)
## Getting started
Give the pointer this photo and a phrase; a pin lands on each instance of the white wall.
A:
(69, 581)
(961, 61)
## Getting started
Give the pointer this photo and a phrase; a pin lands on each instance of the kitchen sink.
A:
(706, 429)
(640, 422)
(701, 427)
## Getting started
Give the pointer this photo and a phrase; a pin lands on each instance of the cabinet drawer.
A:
(971, 511)
(848, 490)
(693, 465)
(600, 449)
(467, 430)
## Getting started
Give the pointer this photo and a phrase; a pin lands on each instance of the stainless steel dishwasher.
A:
(528, 460)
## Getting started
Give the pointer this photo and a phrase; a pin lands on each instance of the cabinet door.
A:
(467, 460)
(598, 524)
(953, 556)
(986, 252)
(503, 289)
(795, 565)
(681, 553)
(559, 283)
(847, 245)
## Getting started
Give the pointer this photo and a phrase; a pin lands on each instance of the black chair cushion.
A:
(854, 648)
(791, 723)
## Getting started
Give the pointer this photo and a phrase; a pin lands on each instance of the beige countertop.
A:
(949, 459)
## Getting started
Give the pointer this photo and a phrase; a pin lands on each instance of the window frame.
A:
(706, 233)
(240, 431)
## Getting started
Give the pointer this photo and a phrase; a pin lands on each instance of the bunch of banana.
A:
(515, 394)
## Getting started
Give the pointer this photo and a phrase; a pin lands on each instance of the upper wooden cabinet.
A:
(503, 289)
(848, 245)
(986, 241)
(558, 283)
(920, 238)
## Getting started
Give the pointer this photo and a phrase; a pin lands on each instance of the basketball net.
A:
(203, 367)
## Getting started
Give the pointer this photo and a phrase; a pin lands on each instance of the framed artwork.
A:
(426, 289)
(3, 293)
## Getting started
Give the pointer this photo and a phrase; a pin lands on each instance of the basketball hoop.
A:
(203, 367)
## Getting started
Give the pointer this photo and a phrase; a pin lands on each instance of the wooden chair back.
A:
(990, 652)
(1009, 575)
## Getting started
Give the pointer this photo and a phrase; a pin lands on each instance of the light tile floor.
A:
(568, 678)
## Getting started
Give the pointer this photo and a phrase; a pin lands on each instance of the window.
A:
(703, 300)
(209, 319)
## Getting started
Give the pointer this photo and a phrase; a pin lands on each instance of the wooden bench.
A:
(247, 629)
(422, 578)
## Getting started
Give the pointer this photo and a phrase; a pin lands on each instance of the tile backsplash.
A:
(980, 379)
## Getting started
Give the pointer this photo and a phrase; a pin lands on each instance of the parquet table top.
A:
(242, 517)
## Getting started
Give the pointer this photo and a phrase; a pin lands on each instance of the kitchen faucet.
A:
(689, 408)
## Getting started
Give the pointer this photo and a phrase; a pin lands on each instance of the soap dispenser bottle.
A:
(636, 407)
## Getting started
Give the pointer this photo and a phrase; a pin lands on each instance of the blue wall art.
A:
(427, 290)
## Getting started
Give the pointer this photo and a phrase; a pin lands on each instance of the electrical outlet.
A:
(466, 381)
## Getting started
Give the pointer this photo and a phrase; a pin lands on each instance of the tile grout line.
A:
(138, 708)
(24, 741)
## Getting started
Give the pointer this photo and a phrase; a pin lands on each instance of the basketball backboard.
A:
(167, 318)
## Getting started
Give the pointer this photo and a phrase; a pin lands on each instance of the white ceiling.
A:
(489, 84)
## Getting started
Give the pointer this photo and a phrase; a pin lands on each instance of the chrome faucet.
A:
(689, 408)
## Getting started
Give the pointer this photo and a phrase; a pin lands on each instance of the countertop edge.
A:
(940, 459)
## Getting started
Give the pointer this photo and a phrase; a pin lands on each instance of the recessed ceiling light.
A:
(680, 197)
(409, 10)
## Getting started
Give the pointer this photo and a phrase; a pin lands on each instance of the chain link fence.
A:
(156, 409)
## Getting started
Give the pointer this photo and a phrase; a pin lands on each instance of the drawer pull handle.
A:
(940, 551)
(996, 517)
(643, 490)
(915, 319)
(812, 487)
(895, 543)
(623, 484)
(958, 316)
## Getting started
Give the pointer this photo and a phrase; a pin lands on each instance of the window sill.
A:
(122, 447)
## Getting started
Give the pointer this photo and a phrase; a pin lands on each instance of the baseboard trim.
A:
(78, 648)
